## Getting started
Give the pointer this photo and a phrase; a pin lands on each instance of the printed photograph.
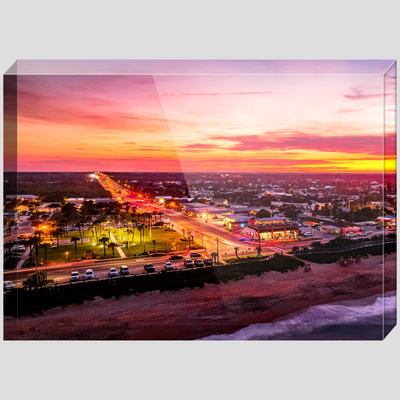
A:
(165, 200)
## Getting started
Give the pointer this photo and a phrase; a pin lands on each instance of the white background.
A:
(203, 30)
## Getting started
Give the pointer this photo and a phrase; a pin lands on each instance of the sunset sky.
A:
(261, 116)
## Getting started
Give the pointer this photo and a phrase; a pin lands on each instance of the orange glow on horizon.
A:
(240, 123)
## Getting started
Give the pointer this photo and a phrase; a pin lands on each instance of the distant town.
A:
(65, 219)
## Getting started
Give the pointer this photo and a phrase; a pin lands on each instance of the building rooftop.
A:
(21, 196)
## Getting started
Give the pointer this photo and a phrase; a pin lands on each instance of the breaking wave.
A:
(370, 318)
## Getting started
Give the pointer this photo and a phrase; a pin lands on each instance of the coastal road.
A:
(23, 228)
(61, 273)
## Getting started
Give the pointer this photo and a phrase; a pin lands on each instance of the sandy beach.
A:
(188, 314)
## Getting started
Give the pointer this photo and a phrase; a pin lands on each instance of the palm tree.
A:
(236, 248)
(36, 241)
(95, 226)
(78, 225)
(128, 248)
(67, 222)
(30, 242)
(104, 240)
(160, 214)
(8, 246)
(109, 232)
(63, 222)
(51, 225)
(75, 239)
(141, 229)
(133, 226)
(82, 221)
(39, 234)
(58, 232)
(112, 246)
(44, 245)
(147, 216)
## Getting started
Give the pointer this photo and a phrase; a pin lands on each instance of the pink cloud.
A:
(359, 95)
(303, 141)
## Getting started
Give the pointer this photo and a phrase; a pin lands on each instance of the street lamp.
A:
(66, 256)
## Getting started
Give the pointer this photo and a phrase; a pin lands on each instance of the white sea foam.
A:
(355, 313)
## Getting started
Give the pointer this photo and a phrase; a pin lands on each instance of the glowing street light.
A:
(66, 256)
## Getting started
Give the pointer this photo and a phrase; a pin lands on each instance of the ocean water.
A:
(370, 318)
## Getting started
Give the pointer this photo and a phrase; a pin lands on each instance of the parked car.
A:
(194, 255)
(89, 274)
(199, 263)
(8, 285)
(208, 261)
(17, 252)
(124, 270)
(19, 247)
(113, 272)
(149, 268)
(168, 266)
(175, 257)
(74, 276)
(188, 263)
(308, 234)
(363, 233)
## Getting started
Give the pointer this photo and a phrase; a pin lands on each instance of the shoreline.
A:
(257, 317)
(189, 314)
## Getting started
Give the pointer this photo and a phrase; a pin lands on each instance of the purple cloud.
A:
(359, 95)
(371, 144)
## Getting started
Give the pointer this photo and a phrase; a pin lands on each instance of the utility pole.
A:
(37, 276)
(217, 251)
(150, 226)
(194, 228)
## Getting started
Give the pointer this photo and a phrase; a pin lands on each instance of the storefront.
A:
(343, 229)
(332, 230)
(271, 228)
(238, 223)
(351, 229)
(389, 221)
